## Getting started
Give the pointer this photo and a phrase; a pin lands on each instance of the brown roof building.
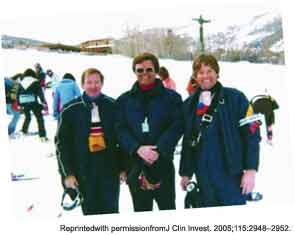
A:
(98, 46)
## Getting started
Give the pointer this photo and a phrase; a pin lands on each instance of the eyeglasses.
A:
(144, 70)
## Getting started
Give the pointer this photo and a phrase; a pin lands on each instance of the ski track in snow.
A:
(42, 197)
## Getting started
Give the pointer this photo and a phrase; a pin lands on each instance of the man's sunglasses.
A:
(146, 70)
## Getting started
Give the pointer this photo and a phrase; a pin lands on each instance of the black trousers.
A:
(100, 189)
(97, 201)
(164, 196)
(37, 111)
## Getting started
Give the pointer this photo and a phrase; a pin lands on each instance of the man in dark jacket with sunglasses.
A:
(149, 126)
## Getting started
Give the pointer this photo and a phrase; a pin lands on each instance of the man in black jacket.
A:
(87, 147)
(149, 126)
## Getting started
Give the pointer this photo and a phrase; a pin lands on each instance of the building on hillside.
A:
(97, 46)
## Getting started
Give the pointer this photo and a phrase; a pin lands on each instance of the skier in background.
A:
(29, 94)
(41, 75)
(12, 107)
(265, 104)
(54, 79)
(192, 85)
(65, 91)
(165, 77)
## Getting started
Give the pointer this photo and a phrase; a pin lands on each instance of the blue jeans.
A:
(14, 120)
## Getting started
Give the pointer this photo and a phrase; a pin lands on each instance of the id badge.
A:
(145, 126)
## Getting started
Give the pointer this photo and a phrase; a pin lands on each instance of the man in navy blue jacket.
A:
(149, 126)
(221, 139)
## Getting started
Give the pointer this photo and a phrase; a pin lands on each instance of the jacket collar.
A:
(159, 88)
(88, 103)
(195, 97)
(66, 80)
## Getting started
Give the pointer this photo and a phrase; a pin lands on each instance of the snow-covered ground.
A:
(41, 197)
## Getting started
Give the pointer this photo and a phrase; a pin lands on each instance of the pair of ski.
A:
(18, 135)
(22, 177)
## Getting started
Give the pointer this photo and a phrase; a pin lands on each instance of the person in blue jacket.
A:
(65, 91)
(87, 148)
(221, 139)
(12, 107)
(149, 126)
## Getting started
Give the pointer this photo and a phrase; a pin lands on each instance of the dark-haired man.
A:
(149, 126)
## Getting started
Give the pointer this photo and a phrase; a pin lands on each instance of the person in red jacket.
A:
(192, 85)
(165, 77)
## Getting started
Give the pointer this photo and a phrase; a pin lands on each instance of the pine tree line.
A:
(166, 44)
(162, 42)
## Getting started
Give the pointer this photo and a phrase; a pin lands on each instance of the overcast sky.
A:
(72, 23)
